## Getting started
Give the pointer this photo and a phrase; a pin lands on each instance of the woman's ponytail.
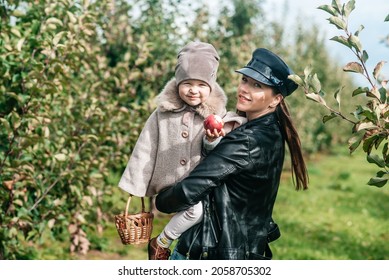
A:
(299, 169)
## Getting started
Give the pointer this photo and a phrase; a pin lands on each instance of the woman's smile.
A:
(244, 98)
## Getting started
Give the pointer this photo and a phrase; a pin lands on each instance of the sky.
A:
(369, 13)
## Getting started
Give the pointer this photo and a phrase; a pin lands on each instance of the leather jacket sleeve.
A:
(228, 158)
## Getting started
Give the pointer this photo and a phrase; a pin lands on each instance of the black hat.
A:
(269, 69)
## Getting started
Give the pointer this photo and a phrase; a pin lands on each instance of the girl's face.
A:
(255, 98)
(194, 92)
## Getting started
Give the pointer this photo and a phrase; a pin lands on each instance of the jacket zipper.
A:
(212, 226)
(191, 244)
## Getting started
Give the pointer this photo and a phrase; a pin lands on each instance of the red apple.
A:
(213, 122)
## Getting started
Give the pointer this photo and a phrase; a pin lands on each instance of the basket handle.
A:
(128, 205)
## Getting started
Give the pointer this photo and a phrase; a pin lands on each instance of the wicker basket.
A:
(134, 228)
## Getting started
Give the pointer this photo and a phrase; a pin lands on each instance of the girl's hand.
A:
(212, 136)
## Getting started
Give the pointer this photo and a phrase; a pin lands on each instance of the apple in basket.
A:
(213, 122)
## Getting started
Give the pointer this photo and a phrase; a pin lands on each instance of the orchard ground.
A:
(340, 217)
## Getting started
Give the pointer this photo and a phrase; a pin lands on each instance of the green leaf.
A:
(35, 27)
(365, 56)
(326, 118)
(369, 142)
(387, 18)
(15, 120)
(307, 72)
(354, 143)
(381, 174)
(378, 142)
(383, 94)
(338, 22)
(374, 92)
(385, 154)
(377, 182)
(6, 125)
(364, 111)
(315, 83)
(355, 67)
(341, 39)
(12, 232)
(92, 137)
(337, 95)
(329, 9)
(376, 159)
(355, 42)
(336, 5)
(31, 235)
(360, 90)
(348, 8)
(361, 27)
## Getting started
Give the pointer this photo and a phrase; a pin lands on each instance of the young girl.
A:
(170, 144)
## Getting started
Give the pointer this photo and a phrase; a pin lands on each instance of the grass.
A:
(339, 217)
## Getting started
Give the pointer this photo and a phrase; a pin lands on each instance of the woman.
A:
(238, 181)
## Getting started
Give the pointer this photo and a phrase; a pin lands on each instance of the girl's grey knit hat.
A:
(198, 61)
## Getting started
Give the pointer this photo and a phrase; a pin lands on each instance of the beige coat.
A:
(169, 146)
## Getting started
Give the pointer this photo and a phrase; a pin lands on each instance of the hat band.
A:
(265, 71)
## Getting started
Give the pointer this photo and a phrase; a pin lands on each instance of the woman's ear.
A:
(276, 100)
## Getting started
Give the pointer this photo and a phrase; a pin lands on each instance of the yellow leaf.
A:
(86, 4)
(365, 125)
(57, 38)
(316, 97)
(60, 157)
(53, 20)
(16, 32)
(377, 69)
(72, 228)
(353, 67)
(51, 223)
(20, 43)
(71, 16)
(17, 13)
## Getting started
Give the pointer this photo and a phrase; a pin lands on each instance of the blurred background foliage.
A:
(78, 80)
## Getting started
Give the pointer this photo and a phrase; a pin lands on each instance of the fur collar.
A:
(169, 100)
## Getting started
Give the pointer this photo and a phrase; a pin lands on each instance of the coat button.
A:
(183, 161)
(185, 134)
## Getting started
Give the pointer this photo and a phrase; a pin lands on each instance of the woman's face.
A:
(194, 92)
(255, 98)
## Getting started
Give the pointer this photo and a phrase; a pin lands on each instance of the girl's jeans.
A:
(177, 256)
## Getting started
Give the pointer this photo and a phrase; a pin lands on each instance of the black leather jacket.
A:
(238, 183)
